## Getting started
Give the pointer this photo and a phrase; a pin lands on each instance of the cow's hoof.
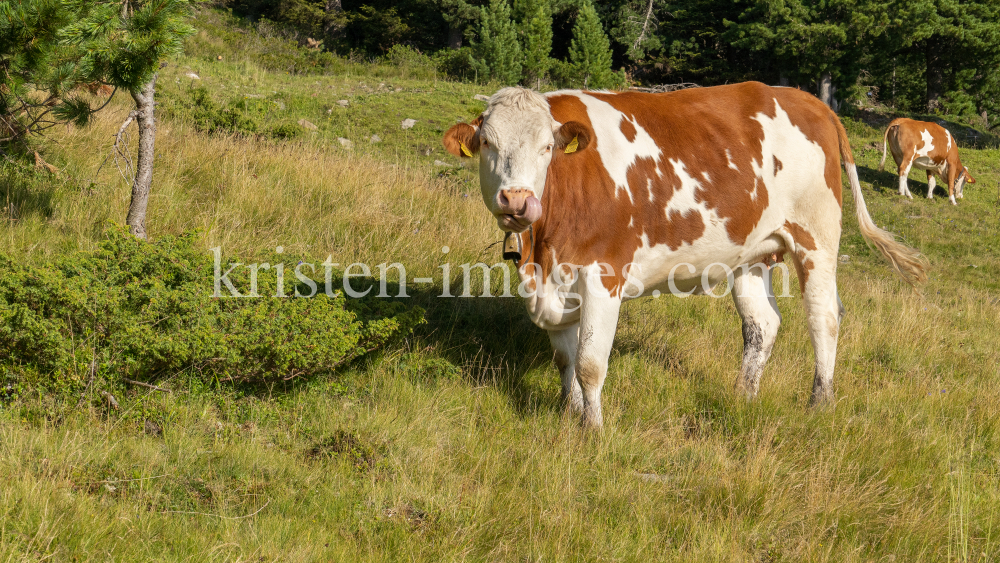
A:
(821, 398)
(747, 389)
(591, 420)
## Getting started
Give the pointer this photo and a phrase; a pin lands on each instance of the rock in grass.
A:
(439, 163)
(193, 76)
(346, 143)
(343, 103)
(408, 123)
(375, 139)
(481, 98)
(308, 124)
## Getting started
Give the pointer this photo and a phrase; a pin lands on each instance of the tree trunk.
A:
(144, 104)
(935, 78)
(826, 91)
(455, 36)
(332, 22)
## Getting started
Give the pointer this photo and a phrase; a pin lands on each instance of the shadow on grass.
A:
(886, 182)
(492, 340)
(21, 195)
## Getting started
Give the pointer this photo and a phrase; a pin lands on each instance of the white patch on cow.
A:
(707, 178)
(616, 152)
(649, 187)
(928, 144)
(683, 198)
(729, 159)
(631, 222)
(948, 135)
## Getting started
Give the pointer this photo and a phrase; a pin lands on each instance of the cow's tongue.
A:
(532, 211)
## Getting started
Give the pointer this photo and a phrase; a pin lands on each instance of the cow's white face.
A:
(515, 149)
(516, 138)
(962, 179)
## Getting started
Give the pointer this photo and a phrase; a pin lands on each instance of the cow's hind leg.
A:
(904, 172)
(818, 274)
(565, 343)
(598, 323)
(759, 311)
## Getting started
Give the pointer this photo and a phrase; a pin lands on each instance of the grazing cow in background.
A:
(926, 146)
(613, 196)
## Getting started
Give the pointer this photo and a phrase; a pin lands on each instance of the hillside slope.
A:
(454, 446)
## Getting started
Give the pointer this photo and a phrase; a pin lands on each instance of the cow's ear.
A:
(969, 177)
(573, 136)
(462, 140)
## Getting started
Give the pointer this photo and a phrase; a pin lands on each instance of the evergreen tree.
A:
(635, 27)
(39, 76)
(536, 38)
(810, 42)
(498, 50)
(590, 50)
(122, 43)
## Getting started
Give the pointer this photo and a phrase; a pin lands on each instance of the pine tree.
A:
(122, 44)
(536, 38)
(498, 50)
(811, 42)
(635, 27)
(590, 50)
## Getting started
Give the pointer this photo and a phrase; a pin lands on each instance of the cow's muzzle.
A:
(517, 209)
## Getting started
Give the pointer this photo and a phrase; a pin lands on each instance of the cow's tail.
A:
(908, 262)
(885, 141)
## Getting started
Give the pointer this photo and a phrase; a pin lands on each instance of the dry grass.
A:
(454, 447)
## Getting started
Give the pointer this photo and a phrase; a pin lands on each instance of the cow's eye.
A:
(485, 143)
(548, 149)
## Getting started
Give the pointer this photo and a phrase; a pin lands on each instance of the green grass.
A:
(454, 446)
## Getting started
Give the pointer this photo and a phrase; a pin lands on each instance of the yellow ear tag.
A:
(572, 146)
(465, 150)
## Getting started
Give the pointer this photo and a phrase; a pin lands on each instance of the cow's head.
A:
(963, 178)
(516, 138)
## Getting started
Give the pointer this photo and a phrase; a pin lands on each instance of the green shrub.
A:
(411, 62)
(145, 310)
(242, 115)
(458, 63)
(287, 130)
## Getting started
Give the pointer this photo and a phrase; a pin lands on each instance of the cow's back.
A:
(694, 175)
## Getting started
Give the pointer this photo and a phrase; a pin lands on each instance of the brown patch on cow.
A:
(777, 166)
(628, 130)
(803, 266)
(687, 227)
(801, 236)
(734, 195)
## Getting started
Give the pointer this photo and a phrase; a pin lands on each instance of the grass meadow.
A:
(453, 446)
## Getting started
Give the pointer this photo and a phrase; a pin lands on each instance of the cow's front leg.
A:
(930, 184)
(565, 343)
(598, 323)
(952, 183)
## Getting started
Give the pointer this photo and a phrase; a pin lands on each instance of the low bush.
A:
(242, 115)
(144, 311)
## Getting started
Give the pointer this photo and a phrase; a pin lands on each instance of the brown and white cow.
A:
(926, 146)
(619, 195)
